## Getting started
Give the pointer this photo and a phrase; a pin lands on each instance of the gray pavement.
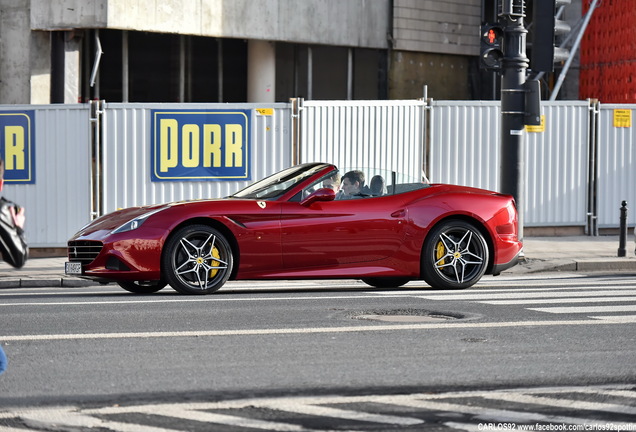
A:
(542, 254)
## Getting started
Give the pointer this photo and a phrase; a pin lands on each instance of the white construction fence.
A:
(68, 164)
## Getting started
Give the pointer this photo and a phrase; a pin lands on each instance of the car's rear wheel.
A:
(385, 282)
(142, 287)
(455, 255)
(197, 259)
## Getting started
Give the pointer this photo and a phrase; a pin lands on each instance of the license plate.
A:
(73, 268)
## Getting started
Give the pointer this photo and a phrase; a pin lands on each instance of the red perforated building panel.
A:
(608, 53)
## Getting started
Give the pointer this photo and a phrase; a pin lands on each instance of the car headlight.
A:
(135, 223)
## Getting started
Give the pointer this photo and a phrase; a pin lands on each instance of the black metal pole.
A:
(513, 77)
(622, 238)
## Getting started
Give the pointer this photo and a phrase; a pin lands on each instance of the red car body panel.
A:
(284, 239)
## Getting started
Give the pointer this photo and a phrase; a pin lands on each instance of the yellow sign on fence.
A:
(622, 118)
(537, 128)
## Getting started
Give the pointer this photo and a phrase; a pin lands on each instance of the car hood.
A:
(114, 220)
(117, 218)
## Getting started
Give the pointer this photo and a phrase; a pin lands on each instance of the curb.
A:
(55, 282)
(572, 265)
(609, 264)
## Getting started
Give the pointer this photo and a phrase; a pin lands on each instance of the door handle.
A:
(398, 214)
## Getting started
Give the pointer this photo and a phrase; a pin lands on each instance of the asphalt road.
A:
(321, 351)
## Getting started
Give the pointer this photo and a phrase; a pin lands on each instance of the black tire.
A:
(139, 287)
(197, 259)
(385, 282)
(455, 255)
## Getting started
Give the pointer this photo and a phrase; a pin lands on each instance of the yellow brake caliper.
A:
(440, 251)
(215, 254)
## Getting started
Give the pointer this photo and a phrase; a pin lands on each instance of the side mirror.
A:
(324, 194)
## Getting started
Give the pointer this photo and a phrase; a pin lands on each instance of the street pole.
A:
(513, 78)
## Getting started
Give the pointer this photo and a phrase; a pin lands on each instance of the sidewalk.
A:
(542, 254)
(580, 253)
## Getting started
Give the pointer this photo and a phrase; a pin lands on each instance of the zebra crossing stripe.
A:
(10, 429)
(177, 411)
(501, 415)
(70, 417)
(579, 405)
(528, 295)
(324, 411)
(586, 309)
(561, 300)
(476, 404)
(558, 297)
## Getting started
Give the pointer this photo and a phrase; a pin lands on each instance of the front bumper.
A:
(118, 258)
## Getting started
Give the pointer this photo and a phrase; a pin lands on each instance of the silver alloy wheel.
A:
(455, 256)
(197, 260)
(460, 255)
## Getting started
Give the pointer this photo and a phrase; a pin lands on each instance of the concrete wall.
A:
(40, 73)
(449, 27)
(14, 43)
(447, 76)
(25, 57)
(362, 23)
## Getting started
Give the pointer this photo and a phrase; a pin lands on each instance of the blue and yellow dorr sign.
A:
(200, 145)
(17, 146)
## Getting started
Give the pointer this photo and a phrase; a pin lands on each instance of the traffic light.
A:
(491, 47)
(545, 27)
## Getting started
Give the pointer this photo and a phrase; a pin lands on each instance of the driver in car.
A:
(353, 185)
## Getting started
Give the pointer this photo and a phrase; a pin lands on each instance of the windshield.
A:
(276, 185)
(363, 183)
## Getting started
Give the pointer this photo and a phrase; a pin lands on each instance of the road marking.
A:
(307, 406)
(41, 292)
(562, 300)
(620, 393)
(10, 429)
(561, 403)
(624, 319)
(324, 411)
(196, 300)
(69, 416)
(316, 330)
(555, 296)
(586, 309)
(476, 405)
(468, 427)
(500, 415)
(493, 414)
(481, 296)
(180, 412)
(523, 294)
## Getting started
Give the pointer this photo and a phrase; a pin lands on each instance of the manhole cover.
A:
(406, 316)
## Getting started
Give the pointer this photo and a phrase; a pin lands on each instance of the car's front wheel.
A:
(197, 259)
(455, 255)
(142, 287)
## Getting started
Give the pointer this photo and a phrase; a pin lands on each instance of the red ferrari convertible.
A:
(306, 222)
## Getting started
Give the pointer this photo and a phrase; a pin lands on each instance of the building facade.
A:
(69, 51)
